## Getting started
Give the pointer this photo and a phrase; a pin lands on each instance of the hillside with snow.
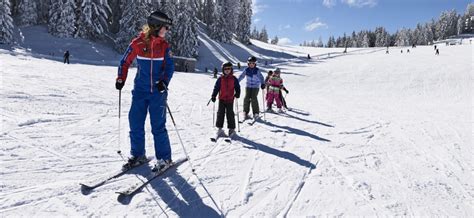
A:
(367, 134)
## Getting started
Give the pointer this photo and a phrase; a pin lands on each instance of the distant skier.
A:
(435, 47)
(215, 72)
(275, 85)
(228, 87)
(150, 89)
(437, 51)
(408, 50)
(254, 81)
(309, 57)
(66, 57)
(238, 65)
(401, 51)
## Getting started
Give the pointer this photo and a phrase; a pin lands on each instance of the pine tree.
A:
(92, 22)
(62, 18)
(245, 22)
(220, 29)
(446, 25)
(28, 13)
(428, 33)
(365, 40)
(255, 34)
(402, 38)
(186, 40)
(6, 23)
(320, 43)
(354, 40)
(133, 19)
(274, 40)
(209, 11)
(232, 11)
(263, 35)
(381, 37)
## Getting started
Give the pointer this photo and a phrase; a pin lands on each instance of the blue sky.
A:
(294, 21)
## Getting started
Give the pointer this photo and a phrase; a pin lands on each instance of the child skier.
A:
(228, 87)
(275, 84)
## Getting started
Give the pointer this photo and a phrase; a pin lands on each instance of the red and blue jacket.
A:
(225, 87)
(153, 63)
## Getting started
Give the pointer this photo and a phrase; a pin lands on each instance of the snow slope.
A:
(367, 134)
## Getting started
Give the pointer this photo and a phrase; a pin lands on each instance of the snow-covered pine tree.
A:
(381, 37)
(402, 38)
(232, 11)
(354, 40)
(186, 41)
(6, 23)
(274, 41)
(446, 25)
(43, 11)
(255, 33)
(92, 22)
(320, 43)
(461, 24)
(27, 13)
(244, 22)
(428, 33)
(170, 8)
(365, 43)
(62, 18)
(263, 35)
(220, 29)
(208, 12)
(134, 14)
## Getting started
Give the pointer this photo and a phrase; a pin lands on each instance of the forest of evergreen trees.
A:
(448, 24)
(121, 20)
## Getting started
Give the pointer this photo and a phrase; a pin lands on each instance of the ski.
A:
(137, 187)
(87, 186)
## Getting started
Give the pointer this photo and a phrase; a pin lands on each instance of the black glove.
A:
(161, 85)
(263, 86)
(286, 90)
(213, 98)
(119, 84)
(237, 95)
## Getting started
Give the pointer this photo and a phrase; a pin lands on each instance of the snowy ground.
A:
(368, 134)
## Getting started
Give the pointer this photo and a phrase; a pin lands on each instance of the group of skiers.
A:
(150, 91)
(228, 88)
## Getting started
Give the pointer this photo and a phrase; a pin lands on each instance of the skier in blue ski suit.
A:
(149, 95)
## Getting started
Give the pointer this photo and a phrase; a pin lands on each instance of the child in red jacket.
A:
(227, 86)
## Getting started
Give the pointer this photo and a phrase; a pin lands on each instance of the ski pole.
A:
(213, 113)
(179, 137)
(263, 103)
(119, 126)
(238, 120)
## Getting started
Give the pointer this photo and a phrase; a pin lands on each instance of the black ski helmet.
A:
(252, 59)
(158, 18)
(227, 64)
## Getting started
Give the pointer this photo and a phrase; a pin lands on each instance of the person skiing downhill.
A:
(66, 57)
(155, 69)
(228, 87)
(275, 84)
(254, 81)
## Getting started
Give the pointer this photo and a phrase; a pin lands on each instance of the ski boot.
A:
(231, 133)
(161, 164)
(134, 161)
